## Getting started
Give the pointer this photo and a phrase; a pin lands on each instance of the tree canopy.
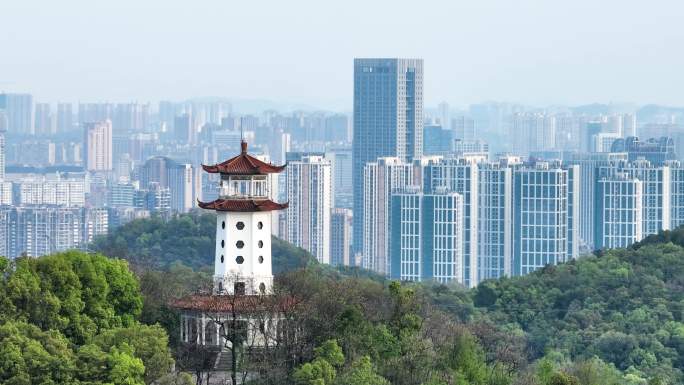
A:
(71, 318)
(189, 239)
(612, 318)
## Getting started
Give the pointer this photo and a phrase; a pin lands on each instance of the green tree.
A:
(148, 343)
(361, 373)
(29, 355)
(320, 371)
(563, 379)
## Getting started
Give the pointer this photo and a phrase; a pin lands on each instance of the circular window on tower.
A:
(240, 225)
(239, 244)
(262, 288)
(223, 224)
(261, 259)
(260, 225)
(222, 259)
(223, 243)
(261, 244)
(240, 260)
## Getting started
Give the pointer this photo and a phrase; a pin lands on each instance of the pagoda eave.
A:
(243, 164)
(242, 205)
(240, 170)
(233, 303)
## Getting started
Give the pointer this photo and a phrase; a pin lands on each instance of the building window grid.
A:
(544, 220)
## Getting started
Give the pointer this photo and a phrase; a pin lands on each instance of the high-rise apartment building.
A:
(656, 196)
(19, 111)
(593, 166)
(427, 237)
(341, 160)
(381, 178)
(122, 195)
(532, 132)
(309, 193)
(181, 179)
(341, 237)
(676, 194)
(618, 211)
(337, 128)
(130, 117)
(545, 216)
(629, 125)
(97, 144)
(44, 123)
(444, 115)
(184, 129)
(3, 129)
(495, 221)
(437, 140)
(65, 117)
(388, 119)
(6, 197)
(464, 128)
(460, 175)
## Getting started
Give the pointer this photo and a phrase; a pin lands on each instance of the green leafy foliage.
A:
(71, 318)
(613, 318)
(623, 306)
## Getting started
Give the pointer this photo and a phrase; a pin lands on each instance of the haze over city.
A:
(300, 52)
(341, 192)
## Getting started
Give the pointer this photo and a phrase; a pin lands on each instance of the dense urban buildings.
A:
(44, 229)
(19, 111)
(459, 175)
(388, 119)
(446, 193)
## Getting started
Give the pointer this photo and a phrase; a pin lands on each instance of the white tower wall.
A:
(255, 241)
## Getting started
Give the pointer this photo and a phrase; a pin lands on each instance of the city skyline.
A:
(625, 52)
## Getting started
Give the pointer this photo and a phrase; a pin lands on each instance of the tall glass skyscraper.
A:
(388, 111)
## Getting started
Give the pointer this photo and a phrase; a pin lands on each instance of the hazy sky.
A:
(528, 51)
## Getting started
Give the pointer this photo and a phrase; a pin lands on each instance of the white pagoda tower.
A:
(241, 306)
(242, 265)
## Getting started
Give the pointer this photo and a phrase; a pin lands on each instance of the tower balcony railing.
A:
(244, 189)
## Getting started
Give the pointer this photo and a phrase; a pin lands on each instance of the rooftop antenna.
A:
(243, 144)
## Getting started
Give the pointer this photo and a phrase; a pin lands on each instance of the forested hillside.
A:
(614, 318)
(155, 243)
(625, 307)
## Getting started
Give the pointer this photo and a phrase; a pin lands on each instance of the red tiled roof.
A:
(228, 303)
(242, 205)
(243, 164)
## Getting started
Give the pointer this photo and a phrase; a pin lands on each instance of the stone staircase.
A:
(223, 360)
